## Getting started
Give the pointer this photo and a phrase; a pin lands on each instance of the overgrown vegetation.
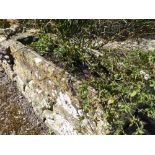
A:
(125, 80)
(108, 29)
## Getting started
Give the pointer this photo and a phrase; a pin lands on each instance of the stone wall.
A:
(52, 91)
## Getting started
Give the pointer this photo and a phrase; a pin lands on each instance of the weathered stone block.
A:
(48, 88)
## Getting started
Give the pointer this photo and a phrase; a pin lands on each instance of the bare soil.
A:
(16, 113)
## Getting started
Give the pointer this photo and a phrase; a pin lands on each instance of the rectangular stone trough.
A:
(52, 91)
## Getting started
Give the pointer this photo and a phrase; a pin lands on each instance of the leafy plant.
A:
(125, 81)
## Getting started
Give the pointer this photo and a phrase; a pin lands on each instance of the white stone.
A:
(64, 101)
(36, 74)
(84, 123)
(39, 91)
(2, 38)
(37, 60)
(54, 93)
(49, 82)
(58, 123)
(80, 112)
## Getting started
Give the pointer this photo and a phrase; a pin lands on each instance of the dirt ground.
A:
(16, 113)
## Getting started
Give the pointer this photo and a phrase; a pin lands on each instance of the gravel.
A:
(16, 113)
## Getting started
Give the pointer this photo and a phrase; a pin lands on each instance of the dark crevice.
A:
(149, 123)
(27, 40)
(44, 119)
(11, 58)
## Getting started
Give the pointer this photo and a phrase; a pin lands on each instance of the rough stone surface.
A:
(139, 44)
(49, 90)
(47, 87)
(16, 113)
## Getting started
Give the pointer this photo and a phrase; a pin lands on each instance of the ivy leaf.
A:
(110, 101)
(134, 93)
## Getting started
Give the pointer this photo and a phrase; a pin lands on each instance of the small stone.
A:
(38, 60)
(20, 97)
(2, 38)
(2, 32)
(6, 57)
(1, 69)
(1, 75)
